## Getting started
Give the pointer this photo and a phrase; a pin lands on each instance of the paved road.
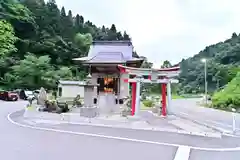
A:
(216, 118)
(46, 141)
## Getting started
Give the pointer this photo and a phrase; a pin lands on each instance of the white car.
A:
(26, 95)
(29, 95)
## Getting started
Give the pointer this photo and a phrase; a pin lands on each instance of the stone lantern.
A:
(89, 108)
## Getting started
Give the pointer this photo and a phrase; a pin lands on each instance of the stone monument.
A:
(42, 97)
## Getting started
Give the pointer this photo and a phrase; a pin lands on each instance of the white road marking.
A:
(222, 124)
(118, 138)
(231, 135)
(43, 121)
(183, 153)
(157, 129)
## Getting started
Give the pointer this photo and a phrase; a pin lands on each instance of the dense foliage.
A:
(38, 42)
(7, 38)
(229, 97)
(223, 63)
(223, 73)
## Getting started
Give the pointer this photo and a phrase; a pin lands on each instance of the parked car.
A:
(36, 91)
(8, 96)
(26, 95)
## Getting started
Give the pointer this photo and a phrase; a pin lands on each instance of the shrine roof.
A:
(107, 58)
(110, 52)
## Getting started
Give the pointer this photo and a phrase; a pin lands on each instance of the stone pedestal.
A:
(107, 104)
(89, 112)
(104, 104)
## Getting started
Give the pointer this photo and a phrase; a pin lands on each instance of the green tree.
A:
(20, 17)
(166, 64)
(126, 36)
(113, 28)
(83, 41)
(30, 71)
(146, 63)
(34, 72)
(44, 31)
(66, 25)
(78, 25)
(112, 33)
(7, 38)
(53, 20)
(63, 13)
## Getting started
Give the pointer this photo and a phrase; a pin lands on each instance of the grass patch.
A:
(175, 96)
(148, 103)
(144, 107)
(191, 96)
(209, 105)
(31, 108)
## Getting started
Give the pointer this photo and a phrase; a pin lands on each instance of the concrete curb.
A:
(207, 134)
(147, 129)
(66, 118)
(217, 129)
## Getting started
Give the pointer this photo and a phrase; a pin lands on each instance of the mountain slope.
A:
(223, 63)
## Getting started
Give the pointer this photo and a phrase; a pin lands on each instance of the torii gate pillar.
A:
(134, 88)
(135, 98)
(164, 104)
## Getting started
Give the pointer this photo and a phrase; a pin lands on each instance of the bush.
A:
(50, 105)
(143, 96)
(77, 101)
(63, 106)
(148, 103)
(228, 97)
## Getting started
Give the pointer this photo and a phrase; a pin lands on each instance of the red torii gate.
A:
(149, 75)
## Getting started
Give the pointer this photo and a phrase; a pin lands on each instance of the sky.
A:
(164, 29)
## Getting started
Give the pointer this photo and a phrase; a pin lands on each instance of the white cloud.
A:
(161, 29)
(153, 19)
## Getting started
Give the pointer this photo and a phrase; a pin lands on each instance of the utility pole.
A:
(205, 75)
